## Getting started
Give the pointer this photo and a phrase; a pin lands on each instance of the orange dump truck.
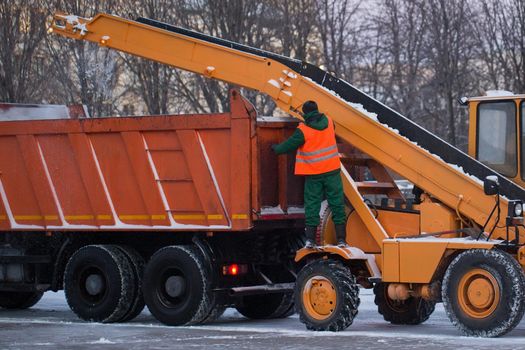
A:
(86, 201)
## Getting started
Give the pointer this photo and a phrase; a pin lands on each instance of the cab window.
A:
(497, 136)
(522, 116)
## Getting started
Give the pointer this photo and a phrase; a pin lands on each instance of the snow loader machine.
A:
(460, 241)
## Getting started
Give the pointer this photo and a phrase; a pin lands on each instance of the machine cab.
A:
(497, 133)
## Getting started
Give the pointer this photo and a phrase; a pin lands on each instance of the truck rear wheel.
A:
(411, 311)
(137, 262)
(484, 292)
(274, 305)
(326, 296)
(19, 300)
(99, 283)
(176, 286)
(215, 313)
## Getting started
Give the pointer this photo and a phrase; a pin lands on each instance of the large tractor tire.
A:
(484, 292)
(326, 296)
(138, 263)
(19, 300)
(99, 283)
(411, 311)
(177, 287)
(274, 305)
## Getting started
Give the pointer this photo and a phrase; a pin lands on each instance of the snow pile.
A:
(103, 341)
(498, 93)
(272, 210)
(75, 22)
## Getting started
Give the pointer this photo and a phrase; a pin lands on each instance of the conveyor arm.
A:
(280, 78)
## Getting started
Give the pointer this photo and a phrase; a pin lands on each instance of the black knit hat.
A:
(309, 106)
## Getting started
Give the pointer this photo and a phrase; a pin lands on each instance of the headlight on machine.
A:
(518, 209)
(515, 209)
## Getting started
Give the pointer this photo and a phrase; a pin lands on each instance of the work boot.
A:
(340, 234)
(310, 232)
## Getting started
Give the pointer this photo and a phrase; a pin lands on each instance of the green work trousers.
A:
(324, 186)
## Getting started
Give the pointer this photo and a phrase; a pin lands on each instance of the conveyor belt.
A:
(406, 127)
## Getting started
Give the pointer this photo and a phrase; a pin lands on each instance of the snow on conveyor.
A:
(385, 115)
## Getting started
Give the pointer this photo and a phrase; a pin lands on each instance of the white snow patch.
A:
(295, 210)
(71, 19)
(106, 37)
(288, 93)
(272, 210)
(210, 68)
(102, 341)
(498, 93)
(82, 27)
(461, 240)
(290, 74)
(274, 83)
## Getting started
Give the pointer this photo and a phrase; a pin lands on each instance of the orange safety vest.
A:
(319, 152)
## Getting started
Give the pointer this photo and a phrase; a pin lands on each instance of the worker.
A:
(317, 159)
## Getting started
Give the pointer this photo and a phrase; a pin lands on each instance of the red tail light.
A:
(234, 269)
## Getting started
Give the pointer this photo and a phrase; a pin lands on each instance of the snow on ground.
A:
(51, 325)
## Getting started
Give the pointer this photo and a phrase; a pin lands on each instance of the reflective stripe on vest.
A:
(319, 152)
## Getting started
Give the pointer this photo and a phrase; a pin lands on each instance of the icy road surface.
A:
(51, 325)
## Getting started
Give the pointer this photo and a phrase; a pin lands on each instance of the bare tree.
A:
(86, 72)
(501, 30)
(403, 27)
(22, 63)
(339, 32)
(451, 51)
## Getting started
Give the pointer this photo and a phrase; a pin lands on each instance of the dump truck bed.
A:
(190, 172)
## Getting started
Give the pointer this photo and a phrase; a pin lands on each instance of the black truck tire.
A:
(484, 292)
(99, 283)
(265, 306)
(215, 313)
(326, 296)
(19, 300)
(177, 287)
(411, 311)
(138, 263)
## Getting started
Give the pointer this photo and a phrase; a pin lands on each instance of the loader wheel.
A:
(137, 262)
(176, 286)
(326, 296)
(484, 292)
(99, 283)
(265, 306)
(411, 311)
(19, 300)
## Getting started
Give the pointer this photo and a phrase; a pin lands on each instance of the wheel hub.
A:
(478, 293)
(175, 286)
(95, 284)
(319, 297)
